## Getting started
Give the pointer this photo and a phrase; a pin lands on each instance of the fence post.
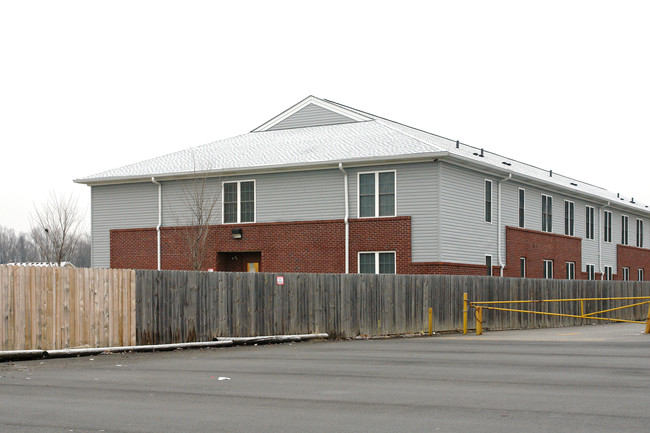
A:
(465, 313)
(479, 320)
(647, 322)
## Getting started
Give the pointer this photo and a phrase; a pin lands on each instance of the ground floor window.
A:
(640, 274)
(488, 265)
(377, 263)
(548, 269)
(522, 267)
(591, 272)
(626, 274)
(570, 270)
(608, 273)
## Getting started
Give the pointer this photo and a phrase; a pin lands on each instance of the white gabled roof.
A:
(331, 133)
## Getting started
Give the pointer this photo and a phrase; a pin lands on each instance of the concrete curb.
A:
(19, 355)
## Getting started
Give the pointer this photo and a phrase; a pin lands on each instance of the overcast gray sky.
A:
(90, 86)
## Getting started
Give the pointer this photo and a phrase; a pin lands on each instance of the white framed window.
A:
(547, 213)
(569, 217)
(488, 265)
(377, 194)
(607, 275)
(238, 200)
(548, 269)
(376, 262)
(570, 270)
(608, 226)
(589, 232)
(624, 229)
(522, 207)
(640, 274)
(591, 272)
(639, 233)
(488, 201)
(626, 273)
(522, 267)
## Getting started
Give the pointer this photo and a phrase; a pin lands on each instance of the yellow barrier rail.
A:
(479, 306)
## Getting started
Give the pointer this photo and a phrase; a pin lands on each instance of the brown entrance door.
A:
(245, 261)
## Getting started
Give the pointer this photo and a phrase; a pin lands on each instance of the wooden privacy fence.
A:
(177, 306)
(55, 308)
(46, 308)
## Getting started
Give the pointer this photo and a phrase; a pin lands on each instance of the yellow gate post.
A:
(479, 320)
(430, 321)
(647, 322)
(465, 313)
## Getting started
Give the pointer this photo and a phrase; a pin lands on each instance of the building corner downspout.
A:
(501, 264)
(347, 218)
(159, 217)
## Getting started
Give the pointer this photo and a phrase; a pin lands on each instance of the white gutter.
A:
(501, 264)
(347, 217)
(159, 217)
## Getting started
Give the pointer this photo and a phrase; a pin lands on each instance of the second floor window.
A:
(488, 201)
(547, 213)
(639, 233)
(569, 213)
(608, 226)
(522, 206)
(589, 234)
(377, 194)
(624, 229)
(239, 202)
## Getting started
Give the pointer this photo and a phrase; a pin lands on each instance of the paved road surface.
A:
(588, 379)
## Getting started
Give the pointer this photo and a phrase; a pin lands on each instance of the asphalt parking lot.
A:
(592, 378)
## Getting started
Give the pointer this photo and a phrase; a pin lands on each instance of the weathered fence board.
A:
(45, 308)
(175, 306)
(57, 308)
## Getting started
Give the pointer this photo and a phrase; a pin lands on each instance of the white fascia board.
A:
(488, 168)
(302, 104)
(352, 162)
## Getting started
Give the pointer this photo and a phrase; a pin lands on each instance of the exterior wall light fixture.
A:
(236, 233)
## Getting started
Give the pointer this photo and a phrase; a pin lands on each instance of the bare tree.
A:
(16, 248)
(57, 227)
(199, 210)
(82, 254)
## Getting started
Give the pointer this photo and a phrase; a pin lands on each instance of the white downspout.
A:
(501, 264)
(601, 227)
(347, 217)
(159, 217)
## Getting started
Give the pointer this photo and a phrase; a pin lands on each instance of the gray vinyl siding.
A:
(417, 197)
(300, 196)
(311, 115)
(120, 207)
(178, 198)
(465, 236)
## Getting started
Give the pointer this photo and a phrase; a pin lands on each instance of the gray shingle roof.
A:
(376, 139)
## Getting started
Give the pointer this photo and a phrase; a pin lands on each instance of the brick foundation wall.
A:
(538, 246)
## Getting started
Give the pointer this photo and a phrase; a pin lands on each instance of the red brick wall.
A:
(635, 259)
(538, 246)
(307, 246)
(134, 249)
(315, 246)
